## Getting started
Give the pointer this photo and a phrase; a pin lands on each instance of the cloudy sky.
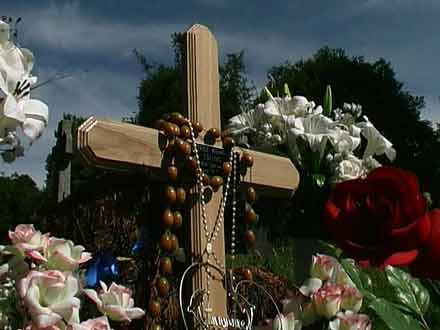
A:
(93, 40)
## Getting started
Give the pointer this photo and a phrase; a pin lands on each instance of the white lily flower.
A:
(280, 109)
(17, 109)
(377, 144)
(316, 130)
(246, 121)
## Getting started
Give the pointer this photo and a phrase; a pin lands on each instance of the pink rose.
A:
(115, 302)
(327, 300)
(323, 267)
(50, 297)
(63, 255)
(100, 323)
(29, 241)
(60, 326)
(350, 321)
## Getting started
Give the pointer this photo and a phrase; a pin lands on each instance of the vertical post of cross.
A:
(203, 105)
(65, 148)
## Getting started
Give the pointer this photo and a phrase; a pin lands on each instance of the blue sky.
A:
(93, 40)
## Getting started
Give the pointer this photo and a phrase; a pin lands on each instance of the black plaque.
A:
(212, 159)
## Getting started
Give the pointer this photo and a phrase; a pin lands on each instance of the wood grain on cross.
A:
(112, 145)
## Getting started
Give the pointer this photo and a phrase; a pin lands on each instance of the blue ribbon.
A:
(104, 268)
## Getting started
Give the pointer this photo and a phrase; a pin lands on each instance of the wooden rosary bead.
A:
(247, 159)
(177, 118)
(185, 132)
(192, 164)
(154, 308)
(249, 237)
(228, 143)
(174, 243)
(168, 129)
(216, 182)
(178, 220)
(247, 274)
(197, 126)
(214, 132)
(172, 173)
(251, 195)
(167, 219)
(163, 286)
(170, 195)
(211, 136)
(166, 243)
(159, 124)
(166, 266)
(250, 217)
(180, 195)
(184, 148)
(227, 168)
(205, 179)
(176, 130)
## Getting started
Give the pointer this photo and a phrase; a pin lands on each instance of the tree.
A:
(388, 105)
(21, 200)
(162, 89)
(235, 93)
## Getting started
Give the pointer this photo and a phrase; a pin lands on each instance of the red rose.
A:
(380, 220)
(426, 264)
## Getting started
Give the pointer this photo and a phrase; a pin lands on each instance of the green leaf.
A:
(393, 317)
(287, 90)
(328, 102)
(330, 249)
(379, 324)
(409, 291)
(354, 273)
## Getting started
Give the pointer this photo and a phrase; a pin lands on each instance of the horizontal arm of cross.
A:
(121, 146)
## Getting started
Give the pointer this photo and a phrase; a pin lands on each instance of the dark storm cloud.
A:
(98, 37)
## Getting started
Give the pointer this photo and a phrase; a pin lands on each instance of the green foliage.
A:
(280, 262)
(410, 292)
(393, 317)
(9, 307)
(20, 199)
(398, 300)
(161, 91)
(235, 93)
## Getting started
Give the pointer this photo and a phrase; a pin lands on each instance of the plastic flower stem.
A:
(269, 94)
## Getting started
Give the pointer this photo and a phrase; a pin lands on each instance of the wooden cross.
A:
(113, 145)
(64, 143)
